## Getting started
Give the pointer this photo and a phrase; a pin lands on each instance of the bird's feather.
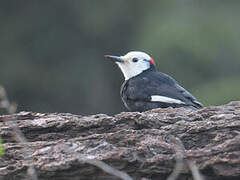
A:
(158, 98)
(150, 83)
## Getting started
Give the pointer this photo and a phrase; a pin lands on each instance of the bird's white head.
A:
(133, 63)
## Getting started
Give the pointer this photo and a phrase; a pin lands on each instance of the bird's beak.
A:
(115, 58)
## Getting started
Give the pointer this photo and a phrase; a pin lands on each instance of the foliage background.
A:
(51, 56)
(1, 148)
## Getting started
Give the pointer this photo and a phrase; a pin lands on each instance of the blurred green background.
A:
(52, 51)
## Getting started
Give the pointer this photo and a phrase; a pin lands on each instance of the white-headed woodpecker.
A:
(146, 88)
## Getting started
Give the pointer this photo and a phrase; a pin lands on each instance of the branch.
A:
(133, 142)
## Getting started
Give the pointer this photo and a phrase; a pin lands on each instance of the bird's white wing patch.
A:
(157, 98)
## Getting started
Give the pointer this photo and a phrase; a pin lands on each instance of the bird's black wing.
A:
(144, 86)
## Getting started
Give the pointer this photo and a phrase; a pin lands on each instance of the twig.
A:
(194, 169)
(11, 109)
(180, 151)
(179, 158)
(106, 168)
(5, 103)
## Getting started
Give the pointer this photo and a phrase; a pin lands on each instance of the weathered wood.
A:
(139, 144)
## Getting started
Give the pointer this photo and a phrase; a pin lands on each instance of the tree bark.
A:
(143, 145)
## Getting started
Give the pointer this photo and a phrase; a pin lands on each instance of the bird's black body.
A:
(136, 92)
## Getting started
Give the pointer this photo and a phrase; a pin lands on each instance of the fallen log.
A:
(144, 145)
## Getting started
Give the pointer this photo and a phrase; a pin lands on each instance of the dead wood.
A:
(139, 144)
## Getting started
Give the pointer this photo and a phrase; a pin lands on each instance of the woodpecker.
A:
(146, 88)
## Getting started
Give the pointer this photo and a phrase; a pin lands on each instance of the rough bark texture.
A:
(138, 143)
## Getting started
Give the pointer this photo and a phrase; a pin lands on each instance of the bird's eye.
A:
(135, 60)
